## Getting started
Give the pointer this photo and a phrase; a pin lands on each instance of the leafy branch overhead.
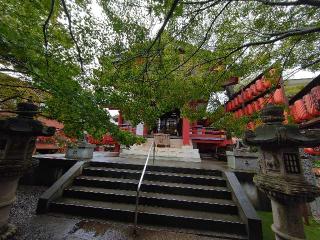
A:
(147, 57)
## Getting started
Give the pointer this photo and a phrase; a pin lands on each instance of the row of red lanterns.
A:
(255, 89)
(308, 107)
(276, 98)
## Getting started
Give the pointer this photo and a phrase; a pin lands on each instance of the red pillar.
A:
(185, 131)
(145, 130)
(120, 119)
(120, 122)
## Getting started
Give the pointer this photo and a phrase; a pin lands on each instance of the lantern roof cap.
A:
(273, 132)
(24, 122)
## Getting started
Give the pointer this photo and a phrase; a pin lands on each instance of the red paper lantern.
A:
(270, 99)
(260, 86)
(244, 110)
(248, 94)
(254, 89)
(256, 106)
(241, 113)
(266, 83)
(250, 125)
(311, 104)
(236, 103)
(300, 110)
(240, 99)
(228, 107)
(249, 109)
(293, 114)
(231, 105)
(261, 102)
(316, 92)
(313, 151)
(278, 97)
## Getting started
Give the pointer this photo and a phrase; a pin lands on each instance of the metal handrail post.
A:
(136, 214)
(154, 152)
(138, 189)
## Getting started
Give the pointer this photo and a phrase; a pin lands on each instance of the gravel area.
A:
(56, 226)
(23, 210)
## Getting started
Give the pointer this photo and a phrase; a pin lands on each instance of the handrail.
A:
(153, 146)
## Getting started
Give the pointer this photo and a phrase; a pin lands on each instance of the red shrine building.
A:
(184, 138)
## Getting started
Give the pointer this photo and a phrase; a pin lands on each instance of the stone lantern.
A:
(280, 175)
(17, 143)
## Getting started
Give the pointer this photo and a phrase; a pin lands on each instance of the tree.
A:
(123, 59)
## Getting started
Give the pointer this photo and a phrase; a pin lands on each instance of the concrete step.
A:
(164, 158)
(153, 199)
(155, 176)
(171, 217)
(155, 168)
(154, 186)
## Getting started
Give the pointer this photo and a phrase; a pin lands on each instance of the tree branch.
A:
(203, 41)
(72, 35)
(311, 64)
(45, 31)
(197, 2)
(167, 18)
(265, 42)
(19, 86)
(308, 29)
(280, 37)
(314, 3)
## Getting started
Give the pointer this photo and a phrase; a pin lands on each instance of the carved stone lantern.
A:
(281, 176)
(17, 142)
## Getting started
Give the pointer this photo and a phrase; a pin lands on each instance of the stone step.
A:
(155, 176)
(164, 158)
(169, 151)
(154, 186)
(153, 199)
(155, 168)
(199, 220)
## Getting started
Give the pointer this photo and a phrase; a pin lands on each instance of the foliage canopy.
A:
(148, 57)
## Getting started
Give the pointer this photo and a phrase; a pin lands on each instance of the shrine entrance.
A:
(170, 123)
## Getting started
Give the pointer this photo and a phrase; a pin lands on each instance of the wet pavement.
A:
(101, 157)
(55, 227)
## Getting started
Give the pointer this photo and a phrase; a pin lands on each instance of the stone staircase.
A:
(180, 199)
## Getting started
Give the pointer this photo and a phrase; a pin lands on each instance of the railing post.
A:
(136, 214)
(154, 152)
(139, 185)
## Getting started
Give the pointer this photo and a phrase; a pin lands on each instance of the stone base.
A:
(287, 221)
(81, 152)
(7, 231)
(176, 152)
(168, 154)
(243, 161)
(107, 154)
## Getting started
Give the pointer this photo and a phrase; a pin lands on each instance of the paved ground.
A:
(100, 157)
(56, 227)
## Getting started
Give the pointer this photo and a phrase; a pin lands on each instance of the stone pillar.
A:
(287, 221)
(17, 143)
(185, 131)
